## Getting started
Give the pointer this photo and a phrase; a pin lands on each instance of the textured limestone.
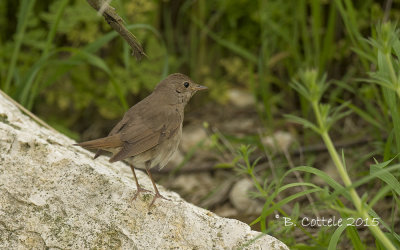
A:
(55, 196)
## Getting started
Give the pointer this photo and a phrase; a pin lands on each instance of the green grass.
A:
(313, 89)
(23, 14)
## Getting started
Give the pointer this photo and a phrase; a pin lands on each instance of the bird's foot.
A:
(139, 190)
(156, 196)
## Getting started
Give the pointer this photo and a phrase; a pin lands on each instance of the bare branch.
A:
(116, 22)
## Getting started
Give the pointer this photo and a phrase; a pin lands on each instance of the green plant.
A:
(387, 48)
(312, 89)
(50, 64)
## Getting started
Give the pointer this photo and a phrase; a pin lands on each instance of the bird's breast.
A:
(167, 148)
(161, 154)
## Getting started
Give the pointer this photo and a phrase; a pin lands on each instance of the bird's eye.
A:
(186, 84)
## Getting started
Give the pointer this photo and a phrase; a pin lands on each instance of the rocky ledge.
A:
(54, 195)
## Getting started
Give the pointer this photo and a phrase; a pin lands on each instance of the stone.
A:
(240, 197)
(280, 141)
(55, 196)
(192, 136)
(240, 98)
(196, 186)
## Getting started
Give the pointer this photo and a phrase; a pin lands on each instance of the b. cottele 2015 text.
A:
(332, 222)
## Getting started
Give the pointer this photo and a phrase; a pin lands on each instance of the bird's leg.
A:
(139, 188)
(157, 195)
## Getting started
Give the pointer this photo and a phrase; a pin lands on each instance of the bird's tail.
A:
(102, 143)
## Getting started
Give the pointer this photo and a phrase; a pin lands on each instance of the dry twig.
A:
(116, 22)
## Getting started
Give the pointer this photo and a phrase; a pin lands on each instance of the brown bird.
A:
(150, 131)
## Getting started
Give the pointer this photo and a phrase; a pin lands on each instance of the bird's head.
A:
(179, 87)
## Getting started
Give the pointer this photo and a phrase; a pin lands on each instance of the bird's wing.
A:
(145, 128)
(130, 115)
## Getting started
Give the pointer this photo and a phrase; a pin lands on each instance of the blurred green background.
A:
(61, 60)
(324, 61)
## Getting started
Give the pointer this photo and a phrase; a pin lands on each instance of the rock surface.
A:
(55, 196)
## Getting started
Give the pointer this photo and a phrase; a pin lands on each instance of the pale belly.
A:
(160, 154)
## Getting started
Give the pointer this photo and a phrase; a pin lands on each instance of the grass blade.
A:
(23, 14)
(336, 236)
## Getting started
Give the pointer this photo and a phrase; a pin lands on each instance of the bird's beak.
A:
(199, 87)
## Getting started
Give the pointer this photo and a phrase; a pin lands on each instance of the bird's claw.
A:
(156, 196)
(139, 190)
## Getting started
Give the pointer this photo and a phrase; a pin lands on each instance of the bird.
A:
(150, 131)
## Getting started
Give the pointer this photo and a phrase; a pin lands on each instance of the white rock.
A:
(192, 135)
(279, 140)
(54, 195)
(227, 210)
(240, 98)
(240, 199)
(190, 183)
